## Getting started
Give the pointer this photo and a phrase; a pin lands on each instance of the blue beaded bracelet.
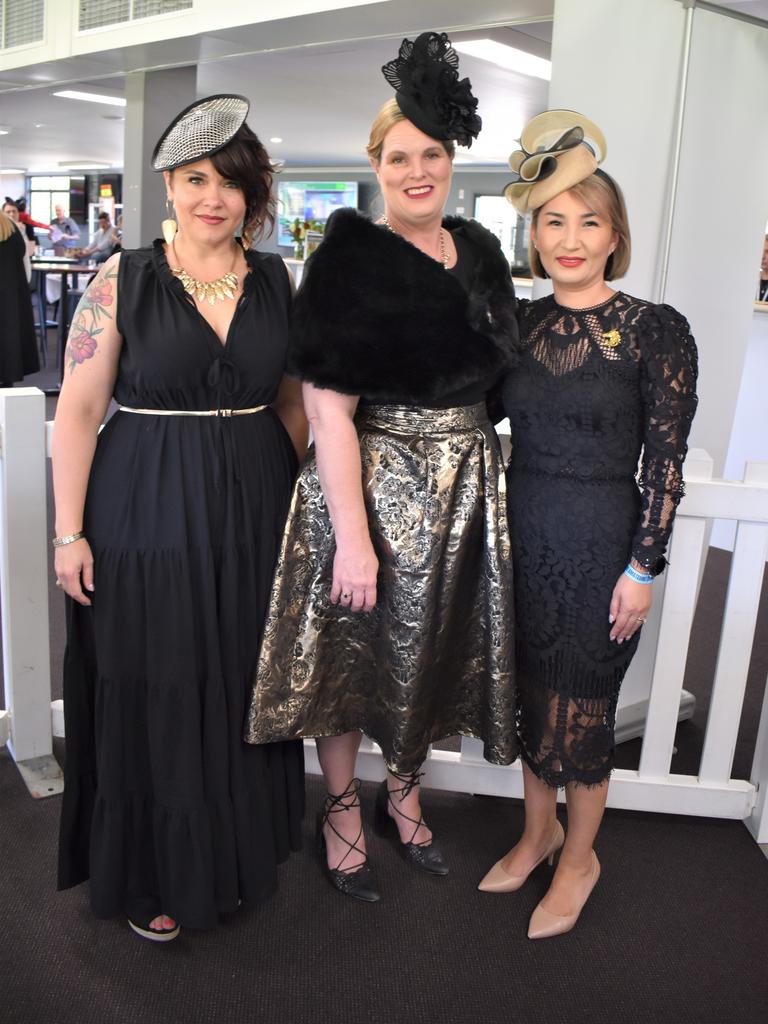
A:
(638, 577)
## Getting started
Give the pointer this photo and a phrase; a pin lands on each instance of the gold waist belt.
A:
(193, 412)
(420, 419)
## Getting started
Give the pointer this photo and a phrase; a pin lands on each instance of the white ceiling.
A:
(315, 82)
(755, 8)
(318, 96)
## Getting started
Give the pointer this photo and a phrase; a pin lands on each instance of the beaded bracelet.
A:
(638, 577)
(69, 538)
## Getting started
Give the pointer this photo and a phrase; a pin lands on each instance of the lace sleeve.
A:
(668, 366)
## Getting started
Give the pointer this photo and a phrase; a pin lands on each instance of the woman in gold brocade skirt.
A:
(391, 612)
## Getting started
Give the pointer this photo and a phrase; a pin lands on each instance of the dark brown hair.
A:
(602, 193)
(246, 161)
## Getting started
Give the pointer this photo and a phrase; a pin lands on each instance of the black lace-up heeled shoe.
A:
(358, 882)
(425, 856)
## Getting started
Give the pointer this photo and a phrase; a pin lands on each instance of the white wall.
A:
(749, 437)
(617, 63)
(720, 213)
(10, 184)
(629, 86)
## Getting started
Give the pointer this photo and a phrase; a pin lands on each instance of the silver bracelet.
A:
(69, 538)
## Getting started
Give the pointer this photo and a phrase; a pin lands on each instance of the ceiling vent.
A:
(101, 13)
(21, 22)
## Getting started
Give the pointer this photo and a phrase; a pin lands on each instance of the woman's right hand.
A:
(355, 569)
(74, 569)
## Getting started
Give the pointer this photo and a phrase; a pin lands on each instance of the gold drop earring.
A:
(169, 227)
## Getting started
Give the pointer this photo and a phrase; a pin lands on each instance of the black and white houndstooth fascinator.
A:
(201, 129)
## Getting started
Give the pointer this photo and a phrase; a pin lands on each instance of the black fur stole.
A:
(376, 317)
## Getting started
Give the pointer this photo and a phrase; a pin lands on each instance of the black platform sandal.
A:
(359, 882)
(422, 855)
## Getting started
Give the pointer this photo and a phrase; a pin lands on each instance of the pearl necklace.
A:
(443, 247)
(224, 287)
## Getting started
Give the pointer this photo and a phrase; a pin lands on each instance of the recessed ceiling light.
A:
(507, 57)
(39, 125)
(5, 131)
(275, 138)
(83, 165)
(91, 97)
(12, 170)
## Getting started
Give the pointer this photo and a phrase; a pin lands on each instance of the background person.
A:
(102, 242)
(18, 344)
(762, 287)
(603, 377)
(25, 218)
(65, 234)
(391, 613)
(168, 524)
(10, 209)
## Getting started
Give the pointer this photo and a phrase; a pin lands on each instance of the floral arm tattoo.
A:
(99, 295)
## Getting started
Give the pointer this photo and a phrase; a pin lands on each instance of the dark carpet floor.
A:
(675, 933)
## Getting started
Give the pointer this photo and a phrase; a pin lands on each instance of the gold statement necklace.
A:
(443, 247)
(224, 287)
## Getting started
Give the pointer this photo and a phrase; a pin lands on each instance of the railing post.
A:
(24, 588)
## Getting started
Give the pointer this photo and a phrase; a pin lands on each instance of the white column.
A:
(24, 589)
(154, 99)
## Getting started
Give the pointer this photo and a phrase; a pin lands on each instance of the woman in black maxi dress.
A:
(18, 345)
(166, 810)
(602, 377)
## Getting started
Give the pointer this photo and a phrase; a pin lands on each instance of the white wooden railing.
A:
(31, 720)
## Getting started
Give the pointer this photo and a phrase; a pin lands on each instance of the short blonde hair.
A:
(390, 115)
(600, 191)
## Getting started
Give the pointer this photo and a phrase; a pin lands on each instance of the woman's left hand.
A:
(630, 605)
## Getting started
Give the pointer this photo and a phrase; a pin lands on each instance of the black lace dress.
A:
(593, 389)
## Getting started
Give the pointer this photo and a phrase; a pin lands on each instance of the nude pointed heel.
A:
(544, 925)
(500, 880)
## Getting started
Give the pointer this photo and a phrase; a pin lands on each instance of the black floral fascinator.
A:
(425, 77)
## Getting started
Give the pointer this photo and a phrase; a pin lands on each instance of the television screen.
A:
(312, 201)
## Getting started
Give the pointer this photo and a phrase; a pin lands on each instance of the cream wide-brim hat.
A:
(559, 148)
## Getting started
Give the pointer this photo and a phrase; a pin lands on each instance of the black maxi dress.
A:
(18, 344)
(592, 389)
(165, 808)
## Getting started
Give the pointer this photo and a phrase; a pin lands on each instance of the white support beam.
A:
(757, 822)
(672, 794)
(678, 607)
(24, 586)
(744, 586)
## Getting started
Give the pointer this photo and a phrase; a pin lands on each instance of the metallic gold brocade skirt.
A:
(435, 656)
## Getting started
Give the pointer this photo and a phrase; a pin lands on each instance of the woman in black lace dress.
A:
(603, 377)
